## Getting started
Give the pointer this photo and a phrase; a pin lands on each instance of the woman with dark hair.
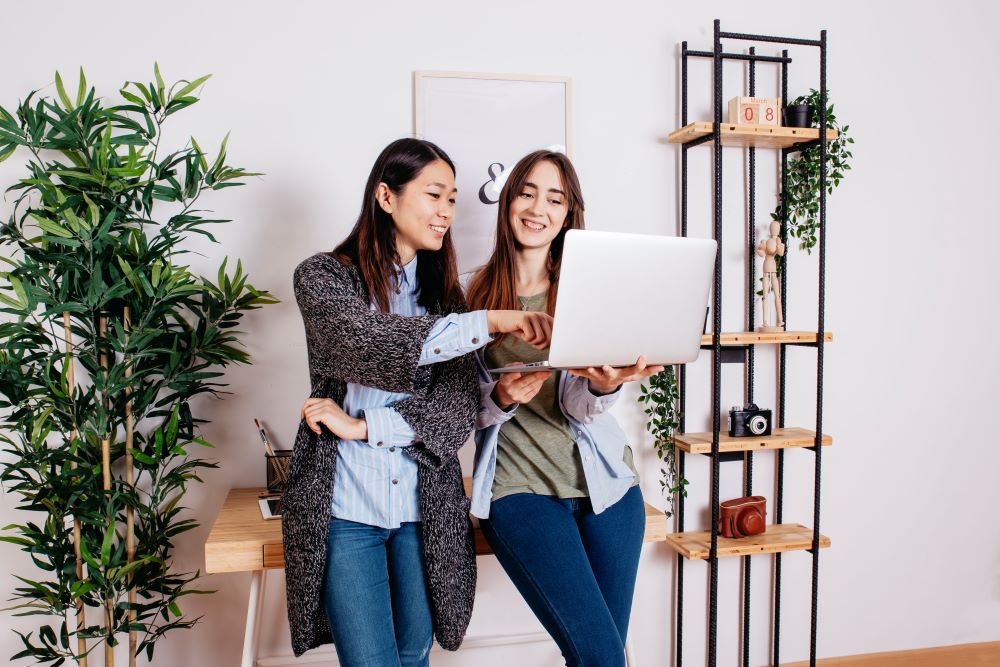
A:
(554, 486)
(378, 547)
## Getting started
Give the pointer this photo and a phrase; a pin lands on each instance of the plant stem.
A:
(130, 480)
(81, 612)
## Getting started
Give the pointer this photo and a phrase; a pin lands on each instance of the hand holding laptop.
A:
(607, 379)
(518, 388)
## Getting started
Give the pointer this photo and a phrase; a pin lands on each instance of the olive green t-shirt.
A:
(536, 452)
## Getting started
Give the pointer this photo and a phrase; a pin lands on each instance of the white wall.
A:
(312, 92)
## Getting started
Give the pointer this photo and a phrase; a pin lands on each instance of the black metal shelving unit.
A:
(744, 353)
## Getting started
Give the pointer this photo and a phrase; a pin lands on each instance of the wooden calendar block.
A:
(755, 111)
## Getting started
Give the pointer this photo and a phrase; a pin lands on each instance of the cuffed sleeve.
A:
(582, 404)
(453, 393)
(455, 335)
(491, 414)
(386, 428)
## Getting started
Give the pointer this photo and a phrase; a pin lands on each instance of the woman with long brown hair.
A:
(377, 542)
(554, 486)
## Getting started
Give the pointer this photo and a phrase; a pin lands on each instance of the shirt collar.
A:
(408, 275)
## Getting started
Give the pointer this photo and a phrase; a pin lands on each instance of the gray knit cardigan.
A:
(347, 341)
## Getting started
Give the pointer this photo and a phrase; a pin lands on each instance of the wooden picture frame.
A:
(486, 123)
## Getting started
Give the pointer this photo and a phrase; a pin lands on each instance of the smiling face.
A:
(538, 211)
(422, 211)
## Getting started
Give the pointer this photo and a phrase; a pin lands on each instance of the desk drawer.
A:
(274, 556)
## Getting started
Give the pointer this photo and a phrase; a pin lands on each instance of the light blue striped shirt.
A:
(376, 482)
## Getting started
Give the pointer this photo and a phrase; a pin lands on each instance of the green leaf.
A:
(81, 90)
(79, 175)
(62, 93)
(7, 152)
(51, 227)
(109, 540)
(159, 82)
(93, 214)
(19, 290)
(143, 458)
(201, 155)
(191, 86)
(10, 302)
(144, 90)
(134, 99)
(222, 154)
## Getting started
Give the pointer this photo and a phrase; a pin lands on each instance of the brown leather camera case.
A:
(741, 517)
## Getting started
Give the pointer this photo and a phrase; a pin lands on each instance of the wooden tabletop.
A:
(242, 540)
(240, 534)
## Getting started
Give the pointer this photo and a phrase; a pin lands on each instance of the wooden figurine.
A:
(769, 249)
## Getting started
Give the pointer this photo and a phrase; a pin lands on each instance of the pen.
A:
(263, 437)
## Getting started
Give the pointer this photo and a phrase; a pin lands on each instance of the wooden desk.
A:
(241, 540)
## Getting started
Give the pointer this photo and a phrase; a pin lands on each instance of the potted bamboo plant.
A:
(106, 338)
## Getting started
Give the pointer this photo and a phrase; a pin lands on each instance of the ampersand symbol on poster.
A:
(489, 193)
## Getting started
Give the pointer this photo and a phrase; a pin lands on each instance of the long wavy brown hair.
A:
(371, 245)
(494, 287)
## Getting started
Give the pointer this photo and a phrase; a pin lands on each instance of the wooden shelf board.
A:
(758, 136)
(770, 338)
(777, 538)
(780, 438)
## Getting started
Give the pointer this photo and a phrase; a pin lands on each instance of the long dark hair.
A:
(494, 287)
(371, 245)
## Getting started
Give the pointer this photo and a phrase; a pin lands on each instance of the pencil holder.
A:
(277, 469)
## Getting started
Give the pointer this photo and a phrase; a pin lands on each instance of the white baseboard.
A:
(327, 656)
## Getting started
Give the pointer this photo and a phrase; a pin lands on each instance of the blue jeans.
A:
(575, 569)
(374, 595)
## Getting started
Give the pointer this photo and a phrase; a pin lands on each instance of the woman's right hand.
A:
(325, 411)
(518, 388)
(533, 328)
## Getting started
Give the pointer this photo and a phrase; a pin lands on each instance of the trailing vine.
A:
(660, 395)
(801, 194)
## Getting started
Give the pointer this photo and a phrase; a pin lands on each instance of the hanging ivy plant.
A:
(660, 395)
(801, 194)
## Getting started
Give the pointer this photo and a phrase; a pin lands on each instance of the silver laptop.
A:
(625, 295)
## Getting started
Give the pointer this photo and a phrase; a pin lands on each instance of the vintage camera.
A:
(749, 422)
(741, 517)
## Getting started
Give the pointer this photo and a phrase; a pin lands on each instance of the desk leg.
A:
(629, 655)
(254, 607)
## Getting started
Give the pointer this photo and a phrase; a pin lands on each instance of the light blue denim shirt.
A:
(599, 438)
(376, 482)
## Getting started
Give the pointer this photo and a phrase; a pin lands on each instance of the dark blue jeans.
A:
(575, 569)
(375, 597)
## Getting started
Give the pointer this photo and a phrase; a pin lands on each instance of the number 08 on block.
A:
(755, 111)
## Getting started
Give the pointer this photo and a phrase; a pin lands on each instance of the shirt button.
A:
(437, 350)
(475, 341)
(392, 449)
(379, 443)
(395, 481)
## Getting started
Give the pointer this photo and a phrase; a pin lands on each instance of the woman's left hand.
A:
(607, 379)
(325, 411)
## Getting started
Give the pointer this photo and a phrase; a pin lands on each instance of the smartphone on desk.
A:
(270, 507)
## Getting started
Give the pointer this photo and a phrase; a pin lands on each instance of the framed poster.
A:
(486, 123)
